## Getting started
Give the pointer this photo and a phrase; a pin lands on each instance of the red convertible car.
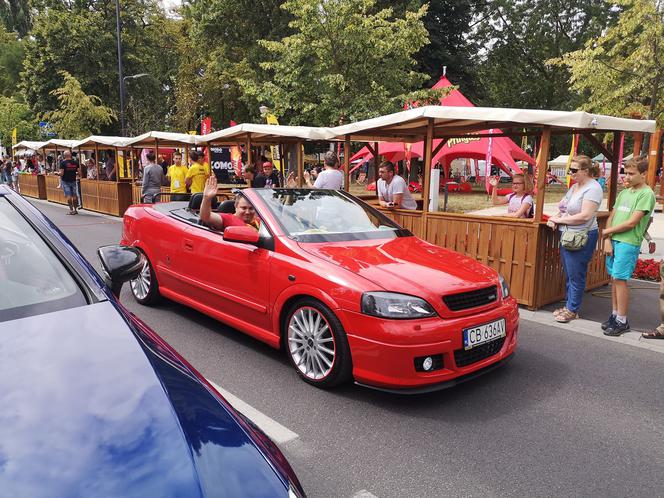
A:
(342, 289)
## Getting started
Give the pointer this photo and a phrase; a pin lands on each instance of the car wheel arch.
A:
(285, 300)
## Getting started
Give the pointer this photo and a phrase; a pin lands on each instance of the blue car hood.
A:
(90, 407)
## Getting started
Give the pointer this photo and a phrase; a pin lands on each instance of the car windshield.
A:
(312, 215)
(32, 279)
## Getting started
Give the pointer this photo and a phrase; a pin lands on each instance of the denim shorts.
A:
(621, 264)
(69, 188)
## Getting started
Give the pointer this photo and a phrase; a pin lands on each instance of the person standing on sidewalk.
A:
(153, 179)
(626, 227)
(69, 170)
(578, 214)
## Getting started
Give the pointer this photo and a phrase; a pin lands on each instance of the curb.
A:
(591, 328)
(63, 206)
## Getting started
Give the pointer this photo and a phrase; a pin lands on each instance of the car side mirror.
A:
(247, 235)
(120, 264)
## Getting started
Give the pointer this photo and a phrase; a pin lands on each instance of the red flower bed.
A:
(646, 269)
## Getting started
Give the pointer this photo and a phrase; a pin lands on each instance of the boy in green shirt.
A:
(626, 227)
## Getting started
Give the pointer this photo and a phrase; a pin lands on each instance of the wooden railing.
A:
(32, 186)
(527, 254)
(106, 196)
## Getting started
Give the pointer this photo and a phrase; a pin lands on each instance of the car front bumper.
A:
(384, 351)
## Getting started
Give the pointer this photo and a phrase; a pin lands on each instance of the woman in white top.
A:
(519, 202)
(577, 211)
(331, 177)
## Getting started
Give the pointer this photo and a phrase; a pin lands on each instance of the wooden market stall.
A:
(524, 251)
(99, 194)
(155, 139)
(54, 192)
(278, 136)
(31, 185)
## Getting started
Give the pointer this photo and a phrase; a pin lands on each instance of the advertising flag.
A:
(489, 157)
(14, 141)
(276, 157)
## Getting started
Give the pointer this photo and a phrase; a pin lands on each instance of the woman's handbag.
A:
(574, 240)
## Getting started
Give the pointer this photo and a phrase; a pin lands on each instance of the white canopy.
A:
(62, 144)
(559, 161)
(28, 144)
(265, 133)
(165, 138)
(93, 140)
(450, 120)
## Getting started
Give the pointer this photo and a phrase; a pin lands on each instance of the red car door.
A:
(229, 277)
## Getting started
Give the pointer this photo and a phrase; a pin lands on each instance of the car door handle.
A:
(188, 245)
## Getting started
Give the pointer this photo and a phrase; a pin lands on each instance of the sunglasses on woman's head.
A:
(573, 170)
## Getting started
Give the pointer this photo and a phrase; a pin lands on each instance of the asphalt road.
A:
(571, 415)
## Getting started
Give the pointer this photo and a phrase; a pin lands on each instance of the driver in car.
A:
(245, 214)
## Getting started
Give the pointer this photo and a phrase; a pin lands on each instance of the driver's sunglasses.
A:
(517, 183)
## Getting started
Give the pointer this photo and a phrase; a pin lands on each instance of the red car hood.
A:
(406, 264)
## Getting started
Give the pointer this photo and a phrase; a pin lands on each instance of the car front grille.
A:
(472, 299)
(464, 357)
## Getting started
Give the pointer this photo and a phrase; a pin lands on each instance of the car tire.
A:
(145, 288)
(316, 344)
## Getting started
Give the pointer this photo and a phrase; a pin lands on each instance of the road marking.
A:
(275, 431)
(591, 328)
(363, 493)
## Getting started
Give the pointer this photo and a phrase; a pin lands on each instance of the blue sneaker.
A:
(617, 329)
(609, 322)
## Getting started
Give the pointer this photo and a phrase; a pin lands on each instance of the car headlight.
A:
(504, 287)
(392, 305)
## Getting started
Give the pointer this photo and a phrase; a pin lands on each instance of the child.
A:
(626, 227)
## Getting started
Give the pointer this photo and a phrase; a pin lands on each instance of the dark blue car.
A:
(93, 402)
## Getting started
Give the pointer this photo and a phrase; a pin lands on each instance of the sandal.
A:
(653, 334)
(558, 311)
(566, 316)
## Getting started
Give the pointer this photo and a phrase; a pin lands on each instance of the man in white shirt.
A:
(331, 177)
(393, 192)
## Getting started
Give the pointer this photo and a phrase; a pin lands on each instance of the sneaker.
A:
(617, 329)
(609, 322)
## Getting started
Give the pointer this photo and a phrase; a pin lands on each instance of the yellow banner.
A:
(276, 156)
(14, 141)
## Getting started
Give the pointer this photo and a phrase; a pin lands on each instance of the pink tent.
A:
(505, 152)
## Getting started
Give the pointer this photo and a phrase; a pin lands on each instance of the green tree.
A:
(518, 38)
(15, 16)
(79, 38)
(342, 62)
(78, 115)
(16, 114)
(11, 62)
(622, 72)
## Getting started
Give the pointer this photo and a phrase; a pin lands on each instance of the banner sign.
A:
(221, 163)
(276, 157)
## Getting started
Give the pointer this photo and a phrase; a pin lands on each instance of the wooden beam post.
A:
(300, 164)
(117, 165)
(209, 155)
(653, 156)
(542, 164)
(97, 160)
(376, 156)
(638, 144)
(615, 168)
(428, 150)
(248, 147)
(347, 164)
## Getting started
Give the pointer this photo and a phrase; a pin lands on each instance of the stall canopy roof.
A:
(166, 139)
(411, 125)
(61, 144)
(264, 133)
(28, 144)
(98, 140)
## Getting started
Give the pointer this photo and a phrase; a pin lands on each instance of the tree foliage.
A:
(78, 115)
(517, 40)
(342, 63)
(11, 62)
(622, 72)
(16, 114)
(15, 16)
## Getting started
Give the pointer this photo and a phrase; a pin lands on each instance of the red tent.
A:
(505, 152)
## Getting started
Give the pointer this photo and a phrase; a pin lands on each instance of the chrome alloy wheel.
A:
(311, 343)
(140, 286)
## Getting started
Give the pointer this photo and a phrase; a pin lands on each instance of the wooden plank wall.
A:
(29, 186)
(53, 192)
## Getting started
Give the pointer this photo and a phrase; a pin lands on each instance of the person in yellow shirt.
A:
(198, 173)
(177, 174)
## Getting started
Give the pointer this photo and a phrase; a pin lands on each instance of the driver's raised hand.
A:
(493, 181)
(210, 191)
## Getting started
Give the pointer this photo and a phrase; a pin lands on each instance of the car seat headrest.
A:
(197, 199)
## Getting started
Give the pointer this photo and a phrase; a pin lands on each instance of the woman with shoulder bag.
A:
(577, 222)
